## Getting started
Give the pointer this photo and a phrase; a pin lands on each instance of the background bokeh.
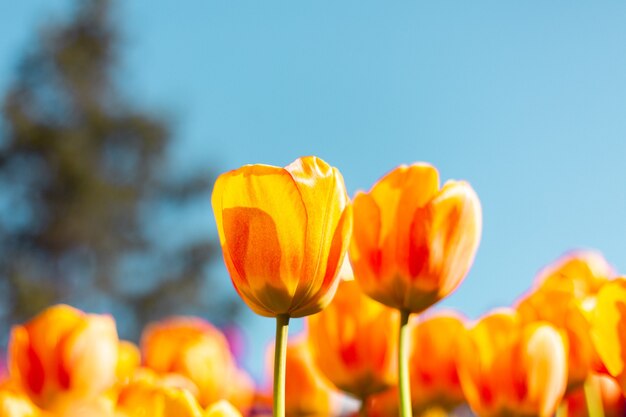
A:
(527, 101)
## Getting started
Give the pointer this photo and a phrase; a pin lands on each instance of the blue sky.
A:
(525, 100)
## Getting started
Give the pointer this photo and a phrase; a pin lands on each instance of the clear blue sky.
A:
(526, 100)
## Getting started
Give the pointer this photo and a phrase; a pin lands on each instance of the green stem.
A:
(280, 359)
(363, 408)
(593, 399)
(562, 411)
(404, 387)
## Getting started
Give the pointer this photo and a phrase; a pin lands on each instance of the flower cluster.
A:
(71, 364)
(363, 274)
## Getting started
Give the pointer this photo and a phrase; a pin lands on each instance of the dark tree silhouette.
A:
(83, 179)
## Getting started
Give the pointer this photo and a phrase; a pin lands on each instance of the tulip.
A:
(565, 312)
(284, 233)
(434, 377)
(63, 353)
(193, 348)
(413, 243)
(510, 369)
(353, 343)
(608, 328)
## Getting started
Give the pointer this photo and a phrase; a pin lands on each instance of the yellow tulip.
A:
(284, 233)
(580, 273)
(608, 328)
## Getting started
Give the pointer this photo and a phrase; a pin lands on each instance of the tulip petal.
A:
(266, 256)
(546, 368)
(609, 327)
(93, 338)
(325, 199)
(456, 230)
(398, 195)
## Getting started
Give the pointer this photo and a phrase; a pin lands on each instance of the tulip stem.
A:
(280, 360)
(562, 411)
(403, 366)
(593, 399)
(363, 408)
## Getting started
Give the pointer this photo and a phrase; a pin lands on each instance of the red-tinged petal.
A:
(262, 221)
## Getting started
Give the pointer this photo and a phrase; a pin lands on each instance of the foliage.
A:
(85, 179)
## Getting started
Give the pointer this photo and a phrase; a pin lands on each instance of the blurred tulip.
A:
(222, 409)
(564, 312)
(142, 399)
(613, 401)
(435, 381)
(284, 233)
(510, 369)
(64, 352)
(608, 328)
(354, 342)
(434, 376)
(580, 273)
(195, 349)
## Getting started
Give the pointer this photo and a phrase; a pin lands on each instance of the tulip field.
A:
(363, 272)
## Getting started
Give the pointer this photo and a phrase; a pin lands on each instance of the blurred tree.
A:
(84, 180)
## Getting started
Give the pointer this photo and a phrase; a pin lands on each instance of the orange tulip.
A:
(353, 342)
(195, 349)
(608, 328)
(434, 378)
(413, 242)
(284, 233)
(613, 402)
(565, 312)
(580, 273)
(510, 369)
(64, 352)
